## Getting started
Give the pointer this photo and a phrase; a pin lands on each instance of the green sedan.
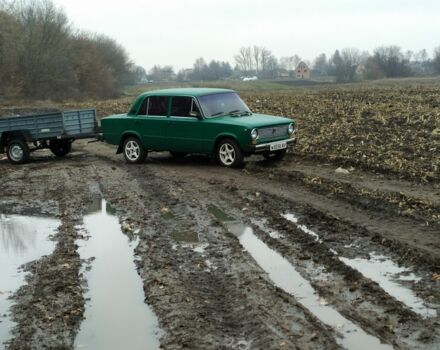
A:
(204, 121)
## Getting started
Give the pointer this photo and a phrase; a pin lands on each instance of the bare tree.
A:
(436, 60)
(244, 59)
(253, 60)
(320, 65)
(392, 61)
(345, 63)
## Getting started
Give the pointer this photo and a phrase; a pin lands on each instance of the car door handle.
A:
(171, 123)
(137, 122)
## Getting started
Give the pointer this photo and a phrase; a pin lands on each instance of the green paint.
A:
(188, 134)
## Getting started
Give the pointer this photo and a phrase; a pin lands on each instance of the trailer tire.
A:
(60, 148)
(18, 151)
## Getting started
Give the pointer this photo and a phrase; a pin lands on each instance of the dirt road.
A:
(268, 257)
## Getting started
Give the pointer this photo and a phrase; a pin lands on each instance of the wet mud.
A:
(337, 262)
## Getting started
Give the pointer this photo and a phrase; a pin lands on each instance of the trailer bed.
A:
(54, 130)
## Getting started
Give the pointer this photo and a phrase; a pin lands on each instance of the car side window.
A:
(184, 107)
(144, 107)
(154, 105)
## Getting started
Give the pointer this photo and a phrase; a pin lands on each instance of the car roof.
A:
(195, 92)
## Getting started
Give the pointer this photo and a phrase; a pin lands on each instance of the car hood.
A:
(254, 121)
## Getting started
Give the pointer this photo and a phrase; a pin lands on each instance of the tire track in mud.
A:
(209, 298)
(368, 303)
(395, 231)
(394, 202)
(212, 295)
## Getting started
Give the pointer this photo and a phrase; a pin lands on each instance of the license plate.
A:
(278, 145)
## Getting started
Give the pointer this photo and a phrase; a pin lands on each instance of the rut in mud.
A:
(308, 264)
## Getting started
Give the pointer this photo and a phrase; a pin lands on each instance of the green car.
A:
(204, 121)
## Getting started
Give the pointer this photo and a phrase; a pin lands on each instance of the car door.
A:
(185, 129)
(151, 122)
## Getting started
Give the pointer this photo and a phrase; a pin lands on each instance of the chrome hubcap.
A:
(227, 154)
(132, 150)
(16, 152)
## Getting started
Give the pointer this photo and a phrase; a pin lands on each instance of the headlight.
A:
(254, 134)
(291, 129)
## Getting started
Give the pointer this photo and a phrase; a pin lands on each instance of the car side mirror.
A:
(195, 114)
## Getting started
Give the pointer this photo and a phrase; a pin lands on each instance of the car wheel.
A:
(18, 151)
(229, 154)
(134, 152)
(60, 148)
(276, 155)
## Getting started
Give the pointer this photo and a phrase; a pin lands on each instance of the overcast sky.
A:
(176, 32)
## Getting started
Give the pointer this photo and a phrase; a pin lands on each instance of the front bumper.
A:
(265, 147)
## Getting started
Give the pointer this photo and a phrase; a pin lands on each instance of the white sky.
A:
(176, 32)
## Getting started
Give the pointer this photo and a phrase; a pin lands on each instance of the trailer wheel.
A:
(60, 148)
(18, 151)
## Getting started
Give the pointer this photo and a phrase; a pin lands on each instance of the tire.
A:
(229, 154)
(18, 151)
(134, 151)
(276, 155)
(60, 148)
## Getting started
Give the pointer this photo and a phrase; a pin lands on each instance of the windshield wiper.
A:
(216, 114)
(239, 113)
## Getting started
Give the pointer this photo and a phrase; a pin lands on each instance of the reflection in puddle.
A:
(116, 316)
(387, 274)
(22, 239)
(381, 270)
(219, 214)
(294, 219)
(262, 225)
(285, 276)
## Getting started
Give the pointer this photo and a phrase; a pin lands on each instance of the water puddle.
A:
(219, 214)
(116, 315)
(262, 225)
(284, 275)
(293, 218)
(382, 270)
(22, 239)
(388, 274)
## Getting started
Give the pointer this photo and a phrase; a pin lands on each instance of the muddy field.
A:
(274, 256)
(179, 253)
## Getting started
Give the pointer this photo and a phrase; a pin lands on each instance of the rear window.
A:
(154, 105)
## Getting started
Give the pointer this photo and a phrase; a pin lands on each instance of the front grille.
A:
(273, 131)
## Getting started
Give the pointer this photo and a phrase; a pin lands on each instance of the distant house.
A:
(302, 71)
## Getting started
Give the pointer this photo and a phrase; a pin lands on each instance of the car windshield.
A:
(223, 104)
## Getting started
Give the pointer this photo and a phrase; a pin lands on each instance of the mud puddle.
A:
(116, 316)
(22, 239)
(284, 275)
(189, 239)
(382, 270)
(389, 276)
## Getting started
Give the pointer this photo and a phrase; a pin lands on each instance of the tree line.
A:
(43, 56)
(346, 65)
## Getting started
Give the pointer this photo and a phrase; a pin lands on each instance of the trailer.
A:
(22, 135)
